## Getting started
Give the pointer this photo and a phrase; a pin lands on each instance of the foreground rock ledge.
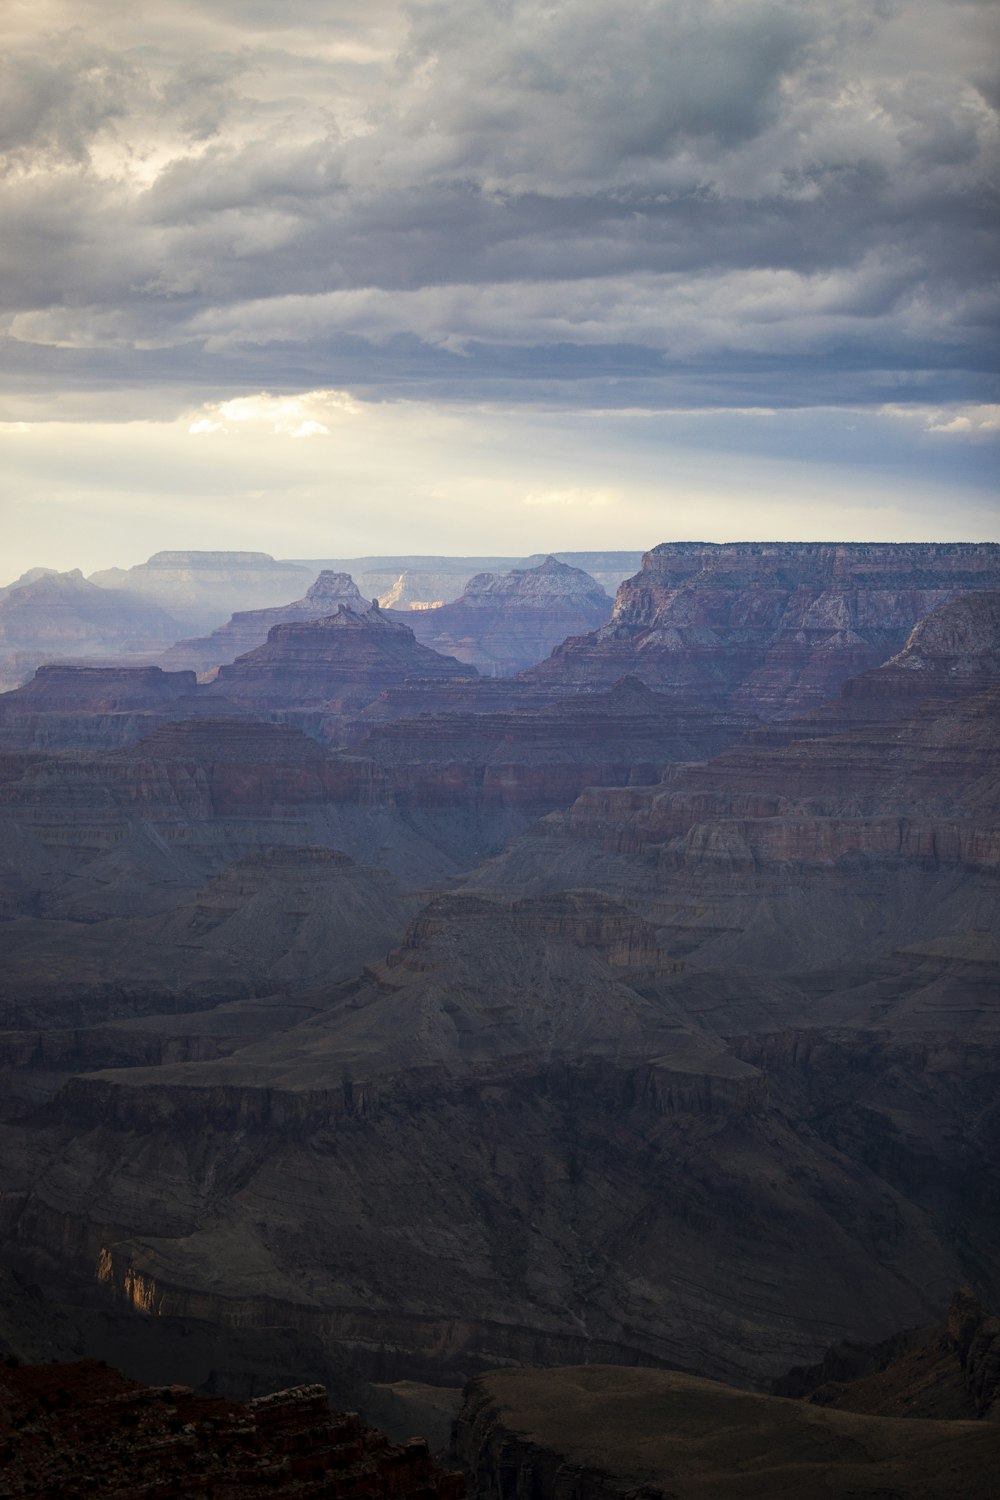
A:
(599, 1431)
(82, 1429)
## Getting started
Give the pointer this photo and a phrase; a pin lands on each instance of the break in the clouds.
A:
(705, 204)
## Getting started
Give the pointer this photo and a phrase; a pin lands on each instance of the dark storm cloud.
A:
(479, 195)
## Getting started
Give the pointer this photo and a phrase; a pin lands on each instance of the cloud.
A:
(765, 199)
(969, 421)
(308, 415)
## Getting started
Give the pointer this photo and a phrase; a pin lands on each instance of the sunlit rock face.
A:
(504, 623)
(250, 628)
(60, 616)
(340, 662)
(772, 628)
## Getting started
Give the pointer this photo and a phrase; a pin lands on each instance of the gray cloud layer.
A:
(723, 201)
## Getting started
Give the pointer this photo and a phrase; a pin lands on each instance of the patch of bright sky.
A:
(323, 475)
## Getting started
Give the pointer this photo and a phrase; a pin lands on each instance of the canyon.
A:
(634, 1013)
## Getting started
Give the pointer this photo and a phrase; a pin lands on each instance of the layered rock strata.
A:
(92, 708)
(891, 831)
(536, 756)
(773, 628)
(338, 664)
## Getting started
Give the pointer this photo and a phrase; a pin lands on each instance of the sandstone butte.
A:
(249, 628)
(337, 663)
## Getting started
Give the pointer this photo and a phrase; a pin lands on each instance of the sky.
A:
(495, 276)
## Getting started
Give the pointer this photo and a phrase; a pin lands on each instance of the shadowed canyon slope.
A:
(578, 1018)
(603, 1432)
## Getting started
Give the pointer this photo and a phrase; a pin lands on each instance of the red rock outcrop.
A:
(338, 664)
(771, 628)
(82, 1429)
(250, 628)
(502, 624)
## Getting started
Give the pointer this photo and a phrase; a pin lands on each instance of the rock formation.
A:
(338, 664)
(250, 628)
(82, 1428)
(61, 615)
(771, 628)
(416, 582)
(502, 624)
(552, 1087)
(951, 653)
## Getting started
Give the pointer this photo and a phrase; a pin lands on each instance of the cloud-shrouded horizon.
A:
(735, 257)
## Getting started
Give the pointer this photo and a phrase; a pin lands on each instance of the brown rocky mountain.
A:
(250, 628)
(698, 1070)
(61, 615)
(83, 1428)
(600, 1433)
(202, 589)
(338, 664)
(773, 628)
(502, 624)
